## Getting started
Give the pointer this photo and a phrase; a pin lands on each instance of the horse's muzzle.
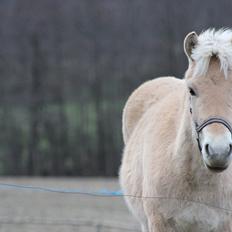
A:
(217, 160)
(216, 169)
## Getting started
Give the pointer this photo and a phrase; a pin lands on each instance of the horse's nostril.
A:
(207, 148)
(210, 151)
(230, 150)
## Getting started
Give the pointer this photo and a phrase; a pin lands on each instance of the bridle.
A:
(207, 122)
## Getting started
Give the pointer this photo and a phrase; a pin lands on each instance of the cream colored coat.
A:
(161, 159)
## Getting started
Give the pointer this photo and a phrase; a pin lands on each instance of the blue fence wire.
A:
(99, 193)
(104, 193)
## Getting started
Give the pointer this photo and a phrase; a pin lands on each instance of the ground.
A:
(35, 211)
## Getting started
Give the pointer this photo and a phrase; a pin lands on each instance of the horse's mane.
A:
(210, 43)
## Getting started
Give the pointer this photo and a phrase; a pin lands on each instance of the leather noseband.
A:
(209, 121)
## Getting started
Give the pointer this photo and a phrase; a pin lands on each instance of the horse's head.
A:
(209, 84)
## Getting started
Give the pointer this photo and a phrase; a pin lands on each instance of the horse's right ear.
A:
(190, 42)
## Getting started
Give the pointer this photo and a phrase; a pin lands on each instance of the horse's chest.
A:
(198, 218)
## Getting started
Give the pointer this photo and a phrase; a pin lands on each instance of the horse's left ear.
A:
(190, 42)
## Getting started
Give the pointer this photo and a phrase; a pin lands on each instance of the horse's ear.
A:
(190, 42)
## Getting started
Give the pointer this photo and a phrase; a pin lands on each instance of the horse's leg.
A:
(141, 217)
(144, 227)
(157, 223)
(137, 209)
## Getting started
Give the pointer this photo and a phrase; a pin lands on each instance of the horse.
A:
(175, 171)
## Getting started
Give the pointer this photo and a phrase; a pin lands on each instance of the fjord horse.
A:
(176, 163)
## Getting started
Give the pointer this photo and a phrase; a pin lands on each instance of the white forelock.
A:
(213, 42)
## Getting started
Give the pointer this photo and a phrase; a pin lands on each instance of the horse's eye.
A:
(192, 92)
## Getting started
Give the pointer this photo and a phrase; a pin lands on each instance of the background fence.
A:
(37, 209)
(67, 68)
(38, 204)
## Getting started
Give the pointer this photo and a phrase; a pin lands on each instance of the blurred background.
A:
(66, 71)
(67, 68)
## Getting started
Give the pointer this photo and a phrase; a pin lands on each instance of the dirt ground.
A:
(35, 211)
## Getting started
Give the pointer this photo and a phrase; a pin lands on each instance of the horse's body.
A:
(162, 159)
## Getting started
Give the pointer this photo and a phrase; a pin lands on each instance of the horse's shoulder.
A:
(146, 95)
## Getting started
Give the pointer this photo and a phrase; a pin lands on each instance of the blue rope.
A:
(100, 193)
